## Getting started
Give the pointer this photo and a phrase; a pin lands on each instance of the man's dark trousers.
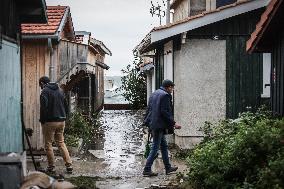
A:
(159, 141)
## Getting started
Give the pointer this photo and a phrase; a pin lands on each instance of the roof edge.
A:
(205, 18)
(255, 38)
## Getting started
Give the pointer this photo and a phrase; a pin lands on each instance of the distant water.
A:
(117, 99)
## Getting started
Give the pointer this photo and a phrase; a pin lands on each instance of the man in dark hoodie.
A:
(160, 119)
(53, 110)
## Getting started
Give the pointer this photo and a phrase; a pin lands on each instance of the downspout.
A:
(51, 65)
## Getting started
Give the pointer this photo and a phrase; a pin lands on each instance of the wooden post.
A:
(90, 95)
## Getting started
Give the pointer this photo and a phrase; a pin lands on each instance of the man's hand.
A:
(177, 126)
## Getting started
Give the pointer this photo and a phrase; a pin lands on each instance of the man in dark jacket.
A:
(53, 108)
(160, 119)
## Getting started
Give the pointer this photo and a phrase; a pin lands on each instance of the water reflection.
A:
(119, 141)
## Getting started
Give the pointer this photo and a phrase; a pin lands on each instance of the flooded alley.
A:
(115, 156)
(119, 143)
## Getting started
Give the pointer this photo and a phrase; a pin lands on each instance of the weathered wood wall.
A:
(69, 54)
(100, 83)
(73, 53)
(10, 99)
(36, 61)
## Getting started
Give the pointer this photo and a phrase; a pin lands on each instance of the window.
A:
(266, 75)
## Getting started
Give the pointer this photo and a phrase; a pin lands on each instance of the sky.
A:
(120, 24)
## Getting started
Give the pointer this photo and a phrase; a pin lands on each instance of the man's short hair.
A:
(44, 80)
(168, 83)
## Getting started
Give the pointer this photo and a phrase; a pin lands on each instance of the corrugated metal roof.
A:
(55, 15)
(263, 24)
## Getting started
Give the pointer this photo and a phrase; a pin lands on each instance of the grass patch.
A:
(83, 182)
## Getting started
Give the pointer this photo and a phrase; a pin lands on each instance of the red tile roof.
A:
(263, 24)
(55, 15)
(188, 19)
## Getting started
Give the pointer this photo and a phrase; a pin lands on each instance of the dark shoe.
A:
(69, 168)
(50, 170)
(149, 174)
(170, 170)
(156, 156)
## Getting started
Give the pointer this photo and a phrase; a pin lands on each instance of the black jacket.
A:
(53, 106)
(159, 114)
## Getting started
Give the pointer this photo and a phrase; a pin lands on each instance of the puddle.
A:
(119, 141)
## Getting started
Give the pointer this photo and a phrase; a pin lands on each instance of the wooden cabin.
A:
(269, 38)
(40, 58)
(12, 14)
(52, 50)
(205, 55)
(84, 76)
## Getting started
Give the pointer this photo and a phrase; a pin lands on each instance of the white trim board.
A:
(207, 19)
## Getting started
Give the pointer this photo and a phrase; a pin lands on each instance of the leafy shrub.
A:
(77, 126)
(134, 84)
(243, 153)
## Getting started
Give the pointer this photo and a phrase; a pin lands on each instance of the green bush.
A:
(77, 126)
(243, 153)
(134, 84)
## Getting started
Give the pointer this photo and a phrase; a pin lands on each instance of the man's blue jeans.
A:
(159, 140)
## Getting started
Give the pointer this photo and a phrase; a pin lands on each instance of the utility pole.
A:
(168, 14)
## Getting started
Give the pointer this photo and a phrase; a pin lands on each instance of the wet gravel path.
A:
(115, 157)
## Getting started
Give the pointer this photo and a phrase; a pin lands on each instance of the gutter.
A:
(55, 37)
(51, 67)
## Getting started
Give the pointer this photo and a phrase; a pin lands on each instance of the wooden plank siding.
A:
(10, 99)
(69, 54)
(244, 71)
(244, 78)
(36, 61)
(277, 79)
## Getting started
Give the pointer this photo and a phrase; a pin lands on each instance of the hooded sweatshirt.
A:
(53, 106)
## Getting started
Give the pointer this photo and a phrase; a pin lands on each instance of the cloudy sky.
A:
(120, 24)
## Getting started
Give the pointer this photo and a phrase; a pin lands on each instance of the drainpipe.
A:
(51, 66)
(168, 14)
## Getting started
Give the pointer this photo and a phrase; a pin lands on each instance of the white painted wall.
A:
(153, 80)
(200, 91)
(149, 85)
(168, 61)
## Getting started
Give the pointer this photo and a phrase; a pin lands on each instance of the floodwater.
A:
(115, 156)
(119, 142)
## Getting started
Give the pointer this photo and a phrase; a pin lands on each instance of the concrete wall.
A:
(181, 11)
(200, 91)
